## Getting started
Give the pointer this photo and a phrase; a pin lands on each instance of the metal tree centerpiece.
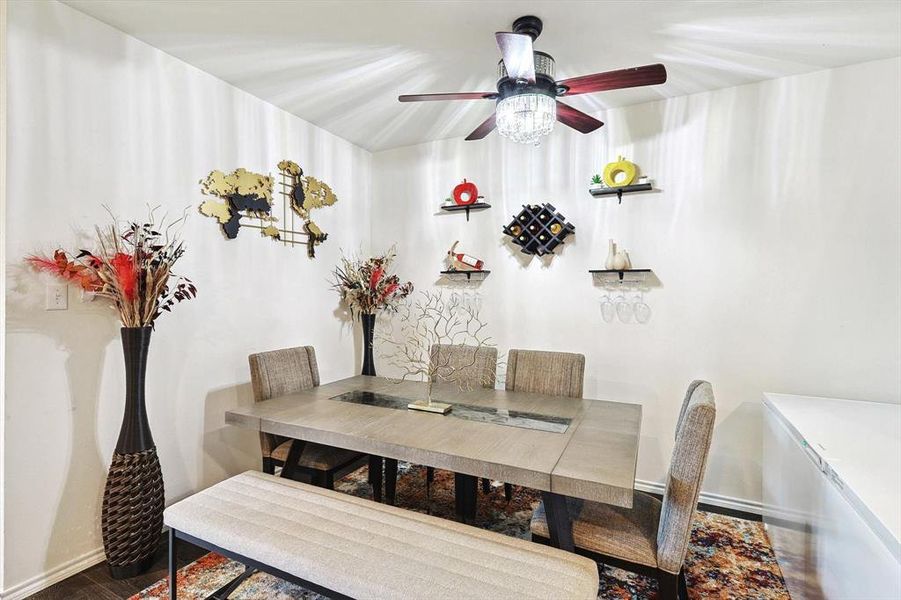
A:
(366, 287)
(132, 269)
(425, 325)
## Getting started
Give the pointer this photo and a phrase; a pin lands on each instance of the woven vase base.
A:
(132, 517)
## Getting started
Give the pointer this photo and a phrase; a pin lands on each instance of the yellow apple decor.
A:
(622, 167)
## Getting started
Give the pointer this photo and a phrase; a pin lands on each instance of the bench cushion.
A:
(367, 550)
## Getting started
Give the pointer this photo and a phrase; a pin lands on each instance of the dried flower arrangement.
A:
(131, 267)
(366, 286)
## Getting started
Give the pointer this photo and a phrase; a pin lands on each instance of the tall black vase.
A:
(368, 329)
(133, 501)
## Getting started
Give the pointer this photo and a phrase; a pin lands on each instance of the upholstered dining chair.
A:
(541, 372)
(280, 372)
(551, 373)
(468, 366)
(652, 537)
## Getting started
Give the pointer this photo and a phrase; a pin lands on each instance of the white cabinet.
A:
(832, 495)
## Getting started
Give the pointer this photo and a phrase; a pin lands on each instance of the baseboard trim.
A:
(54, 575)
(728, 502)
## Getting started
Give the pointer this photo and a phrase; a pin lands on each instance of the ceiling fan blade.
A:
(456, 96)
(516, 48)
(577, 119)
(483, 129)
(614, 80)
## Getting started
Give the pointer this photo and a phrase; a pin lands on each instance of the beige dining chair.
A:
(550, 373)
(541, 372)
(280, 372)
(470, 367)
(652, 537)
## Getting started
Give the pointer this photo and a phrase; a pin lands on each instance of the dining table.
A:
(563, 447)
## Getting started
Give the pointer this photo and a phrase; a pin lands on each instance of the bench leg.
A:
(486, 485)
(268, 465)
(390, 480)
(293, 458)
(508, 491)
(429, 478)
(173, 565)
(375, 476)
(559, 523)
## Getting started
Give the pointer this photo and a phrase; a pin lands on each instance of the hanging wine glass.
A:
(475, 302)
(641, 309)
(607, 310)
(623, 306)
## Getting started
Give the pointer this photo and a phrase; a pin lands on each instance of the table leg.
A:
(293, 458)
(465, 494)
(376, 465)
(559, 523)
(390, 480)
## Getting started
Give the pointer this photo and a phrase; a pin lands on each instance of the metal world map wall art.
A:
(244, 199)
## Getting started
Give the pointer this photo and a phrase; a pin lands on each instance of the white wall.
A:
(775, 236)
(97, 117)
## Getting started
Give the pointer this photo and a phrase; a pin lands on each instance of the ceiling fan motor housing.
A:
(528, 25)
(544, 79)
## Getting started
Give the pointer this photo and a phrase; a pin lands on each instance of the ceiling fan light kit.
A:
(526, 118)
(527, 104)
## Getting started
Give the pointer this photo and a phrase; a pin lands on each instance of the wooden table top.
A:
(595, 458)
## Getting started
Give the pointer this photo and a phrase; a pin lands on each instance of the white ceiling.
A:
(341, 65)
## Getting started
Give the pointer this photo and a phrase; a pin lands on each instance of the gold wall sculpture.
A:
(242, 197)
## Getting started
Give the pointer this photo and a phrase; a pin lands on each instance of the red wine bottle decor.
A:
(538, 229)
(457, 261)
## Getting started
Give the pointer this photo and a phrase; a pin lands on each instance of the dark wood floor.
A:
(96, 584)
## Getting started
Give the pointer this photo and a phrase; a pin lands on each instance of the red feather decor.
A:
(126, 276)
(132, 268)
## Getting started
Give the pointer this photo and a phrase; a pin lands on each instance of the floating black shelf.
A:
(468, 274)
(619, 272)
(619, 191)
(466, 207)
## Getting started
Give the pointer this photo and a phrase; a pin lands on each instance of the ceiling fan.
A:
(527, 94)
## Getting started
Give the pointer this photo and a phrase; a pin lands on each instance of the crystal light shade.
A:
(526, 118)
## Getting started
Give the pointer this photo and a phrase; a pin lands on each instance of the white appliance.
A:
(832, 495)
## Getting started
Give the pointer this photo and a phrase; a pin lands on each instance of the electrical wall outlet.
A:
(57, 296)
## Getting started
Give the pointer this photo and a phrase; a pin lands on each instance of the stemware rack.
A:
(620, 272)
(454, 273)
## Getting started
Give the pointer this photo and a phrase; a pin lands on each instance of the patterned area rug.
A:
(727, 557)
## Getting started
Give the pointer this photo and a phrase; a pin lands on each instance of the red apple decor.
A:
(466, 193)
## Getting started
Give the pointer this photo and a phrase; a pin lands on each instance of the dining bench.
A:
(342, 546)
